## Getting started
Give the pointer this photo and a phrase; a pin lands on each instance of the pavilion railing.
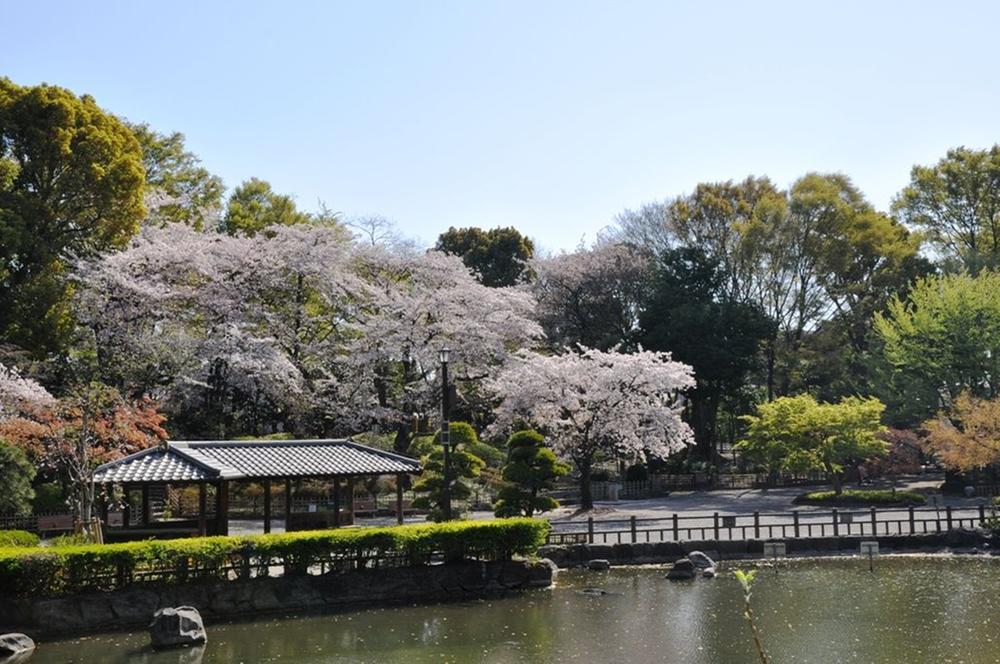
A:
(847, 522)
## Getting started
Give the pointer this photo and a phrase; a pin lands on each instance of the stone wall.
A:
(574, 555)
(134, 607)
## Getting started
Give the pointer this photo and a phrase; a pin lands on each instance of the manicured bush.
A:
(71, 569)
(17, 538)
(862, 497)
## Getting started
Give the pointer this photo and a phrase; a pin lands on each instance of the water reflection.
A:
(909, 610)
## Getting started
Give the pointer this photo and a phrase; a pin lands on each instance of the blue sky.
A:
(548, 116)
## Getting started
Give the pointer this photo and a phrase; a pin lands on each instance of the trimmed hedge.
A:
(851, 497)
(17, 538)
(73, 569)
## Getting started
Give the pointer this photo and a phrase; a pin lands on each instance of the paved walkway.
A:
(738, 502)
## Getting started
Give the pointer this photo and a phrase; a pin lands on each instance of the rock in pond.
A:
(683, 569)
(700, 560)
(177, 626)
(599, 565)
(708, 572)
(17, 647)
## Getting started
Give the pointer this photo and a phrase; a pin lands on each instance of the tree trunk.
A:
(838, 487)
(586, 496)
(770, 369)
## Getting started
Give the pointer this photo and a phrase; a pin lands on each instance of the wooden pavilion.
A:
(217, 463)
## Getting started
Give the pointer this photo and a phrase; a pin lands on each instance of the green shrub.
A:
(80, 568)
(69, 540)
(862, 497)
(17, 538)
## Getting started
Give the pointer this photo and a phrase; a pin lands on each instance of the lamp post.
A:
(444, 355)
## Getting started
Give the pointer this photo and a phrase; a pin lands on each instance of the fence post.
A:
(874, 522)
(677, 533)
(756, 525)
(982, 514)
(913, 525)
(632, 525)
(590, 530)
(715, 525)
(836, 525)
(947, 514)
(795, 520)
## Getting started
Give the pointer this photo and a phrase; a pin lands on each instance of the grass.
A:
(852, 497)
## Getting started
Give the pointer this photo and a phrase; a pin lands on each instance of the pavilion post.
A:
(202, 509)
(222, 508)
(399, 499)
(336, 502)
(350, 501)
(267, 506)
(288, 505)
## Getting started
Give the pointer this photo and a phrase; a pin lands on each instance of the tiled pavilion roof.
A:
(199, 461)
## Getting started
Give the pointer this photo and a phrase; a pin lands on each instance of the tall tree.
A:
(178, 188)
(945, 337)
(957, 203)
(498, 257)
(254, 205)
(690, 313)
(592, 296)
(71, 183)
(594, 403)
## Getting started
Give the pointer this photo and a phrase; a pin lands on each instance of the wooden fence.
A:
(862, 522)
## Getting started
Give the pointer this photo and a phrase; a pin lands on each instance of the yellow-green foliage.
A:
(17, 538)
(51, 571)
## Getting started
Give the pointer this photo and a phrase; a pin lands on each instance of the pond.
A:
(911, 609)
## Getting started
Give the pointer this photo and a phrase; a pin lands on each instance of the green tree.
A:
(463, 466)
(532, 468)
(944, 338)
(254, 206)
(957, 203)
(690, 314)
(179, 188)
(498, 257)
(798, 433)
(71, 184)
(16, 474)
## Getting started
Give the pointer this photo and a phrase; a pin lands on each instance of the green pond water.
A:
(911, 609)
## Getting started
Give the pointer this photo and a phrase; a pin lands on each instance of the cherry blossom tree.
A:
(295, 326)
(19, 394)
(594, 402)
(419, 304)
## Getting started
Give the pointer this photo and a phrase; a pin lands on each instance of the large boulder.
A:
(599, 564)
(682, 570)
(700, 560)
(15, 646)
(177, 626)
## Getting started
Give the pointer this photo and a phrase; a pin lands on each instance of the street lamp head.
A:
(444, 354)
